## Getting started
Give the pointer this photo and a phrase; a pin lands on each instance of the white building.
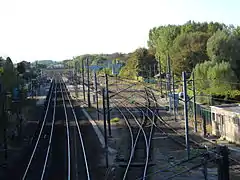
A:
(226, 121)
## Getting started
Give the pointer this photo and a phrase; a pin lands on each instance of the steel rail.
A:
(133, 142)
(149, 143)
(146, 175)
(159, 117)
(149, 138)
(80, 135)
(39, 135)
(145, 138)
(166, 125)
(68, 135)
(183, 144)
(128, 124)
(51, 135)
(154, 100)
(163, 122)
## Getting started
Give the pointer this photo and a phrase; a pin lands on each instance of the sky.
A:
(61, 29)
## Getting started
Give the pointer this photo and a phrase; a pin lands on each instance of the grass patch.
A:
(90, 109)
(115, 120)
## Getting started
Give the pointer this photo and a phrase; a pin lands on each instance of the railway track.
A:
(151, 119)
(80, 163)
(44, 139)
(58, 150)
(140, 139)
(150, 113)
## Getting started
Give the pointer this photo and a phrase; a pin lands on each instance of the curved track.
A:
(146, 138)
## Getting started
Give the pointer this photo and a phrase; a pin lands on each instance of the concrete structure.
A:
(226, 122)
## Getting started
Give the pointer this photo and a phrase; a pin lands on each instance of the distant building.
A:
(226, 122)
(56, 66)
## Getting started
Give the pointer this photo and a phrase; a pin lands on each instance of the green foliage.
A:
(42, 66)
(130, 70)
(139, 64)
(221, 75)
(21, 68)
(185, 43)
(161, 40)
(1, 70)
(224, 46)
(217, 46)
(215, 78)
(105, 71)
(115, 120)
(9, 77)
(188, 50)
(211, 48)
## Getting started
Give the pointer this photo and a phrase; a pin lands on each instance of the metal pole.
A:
(169, 82)
(5, 119)
(154, 69)
(88, 84)
(186, 113)
(108, 106)
(105, 127)
(174, 103)
(96, 93)
(167, 79)
(194, 103)
(223, 163)
(150, 73)
(116, 82)
(32, 88)
(160, 77)
(83, 81)
(204, 133)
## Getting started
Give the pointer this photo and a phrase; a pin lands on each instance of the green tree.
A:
(215, 78)
(21, 68)
(139, 64)
(221, 75)
(9, 77)
(224, 46)
(188, 50)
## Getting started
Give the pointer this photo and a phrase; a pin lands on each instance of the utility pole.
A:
(169, 81)
(96, 93)
(105, 127)
(150, 73)
(88, 84)
(108, 106)
(223, 163)
(5, 109)
(160, 76)
(83, 81)
(174, 103)
(194, 103)
(154, 69)
(31, 87)
(186, 113)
